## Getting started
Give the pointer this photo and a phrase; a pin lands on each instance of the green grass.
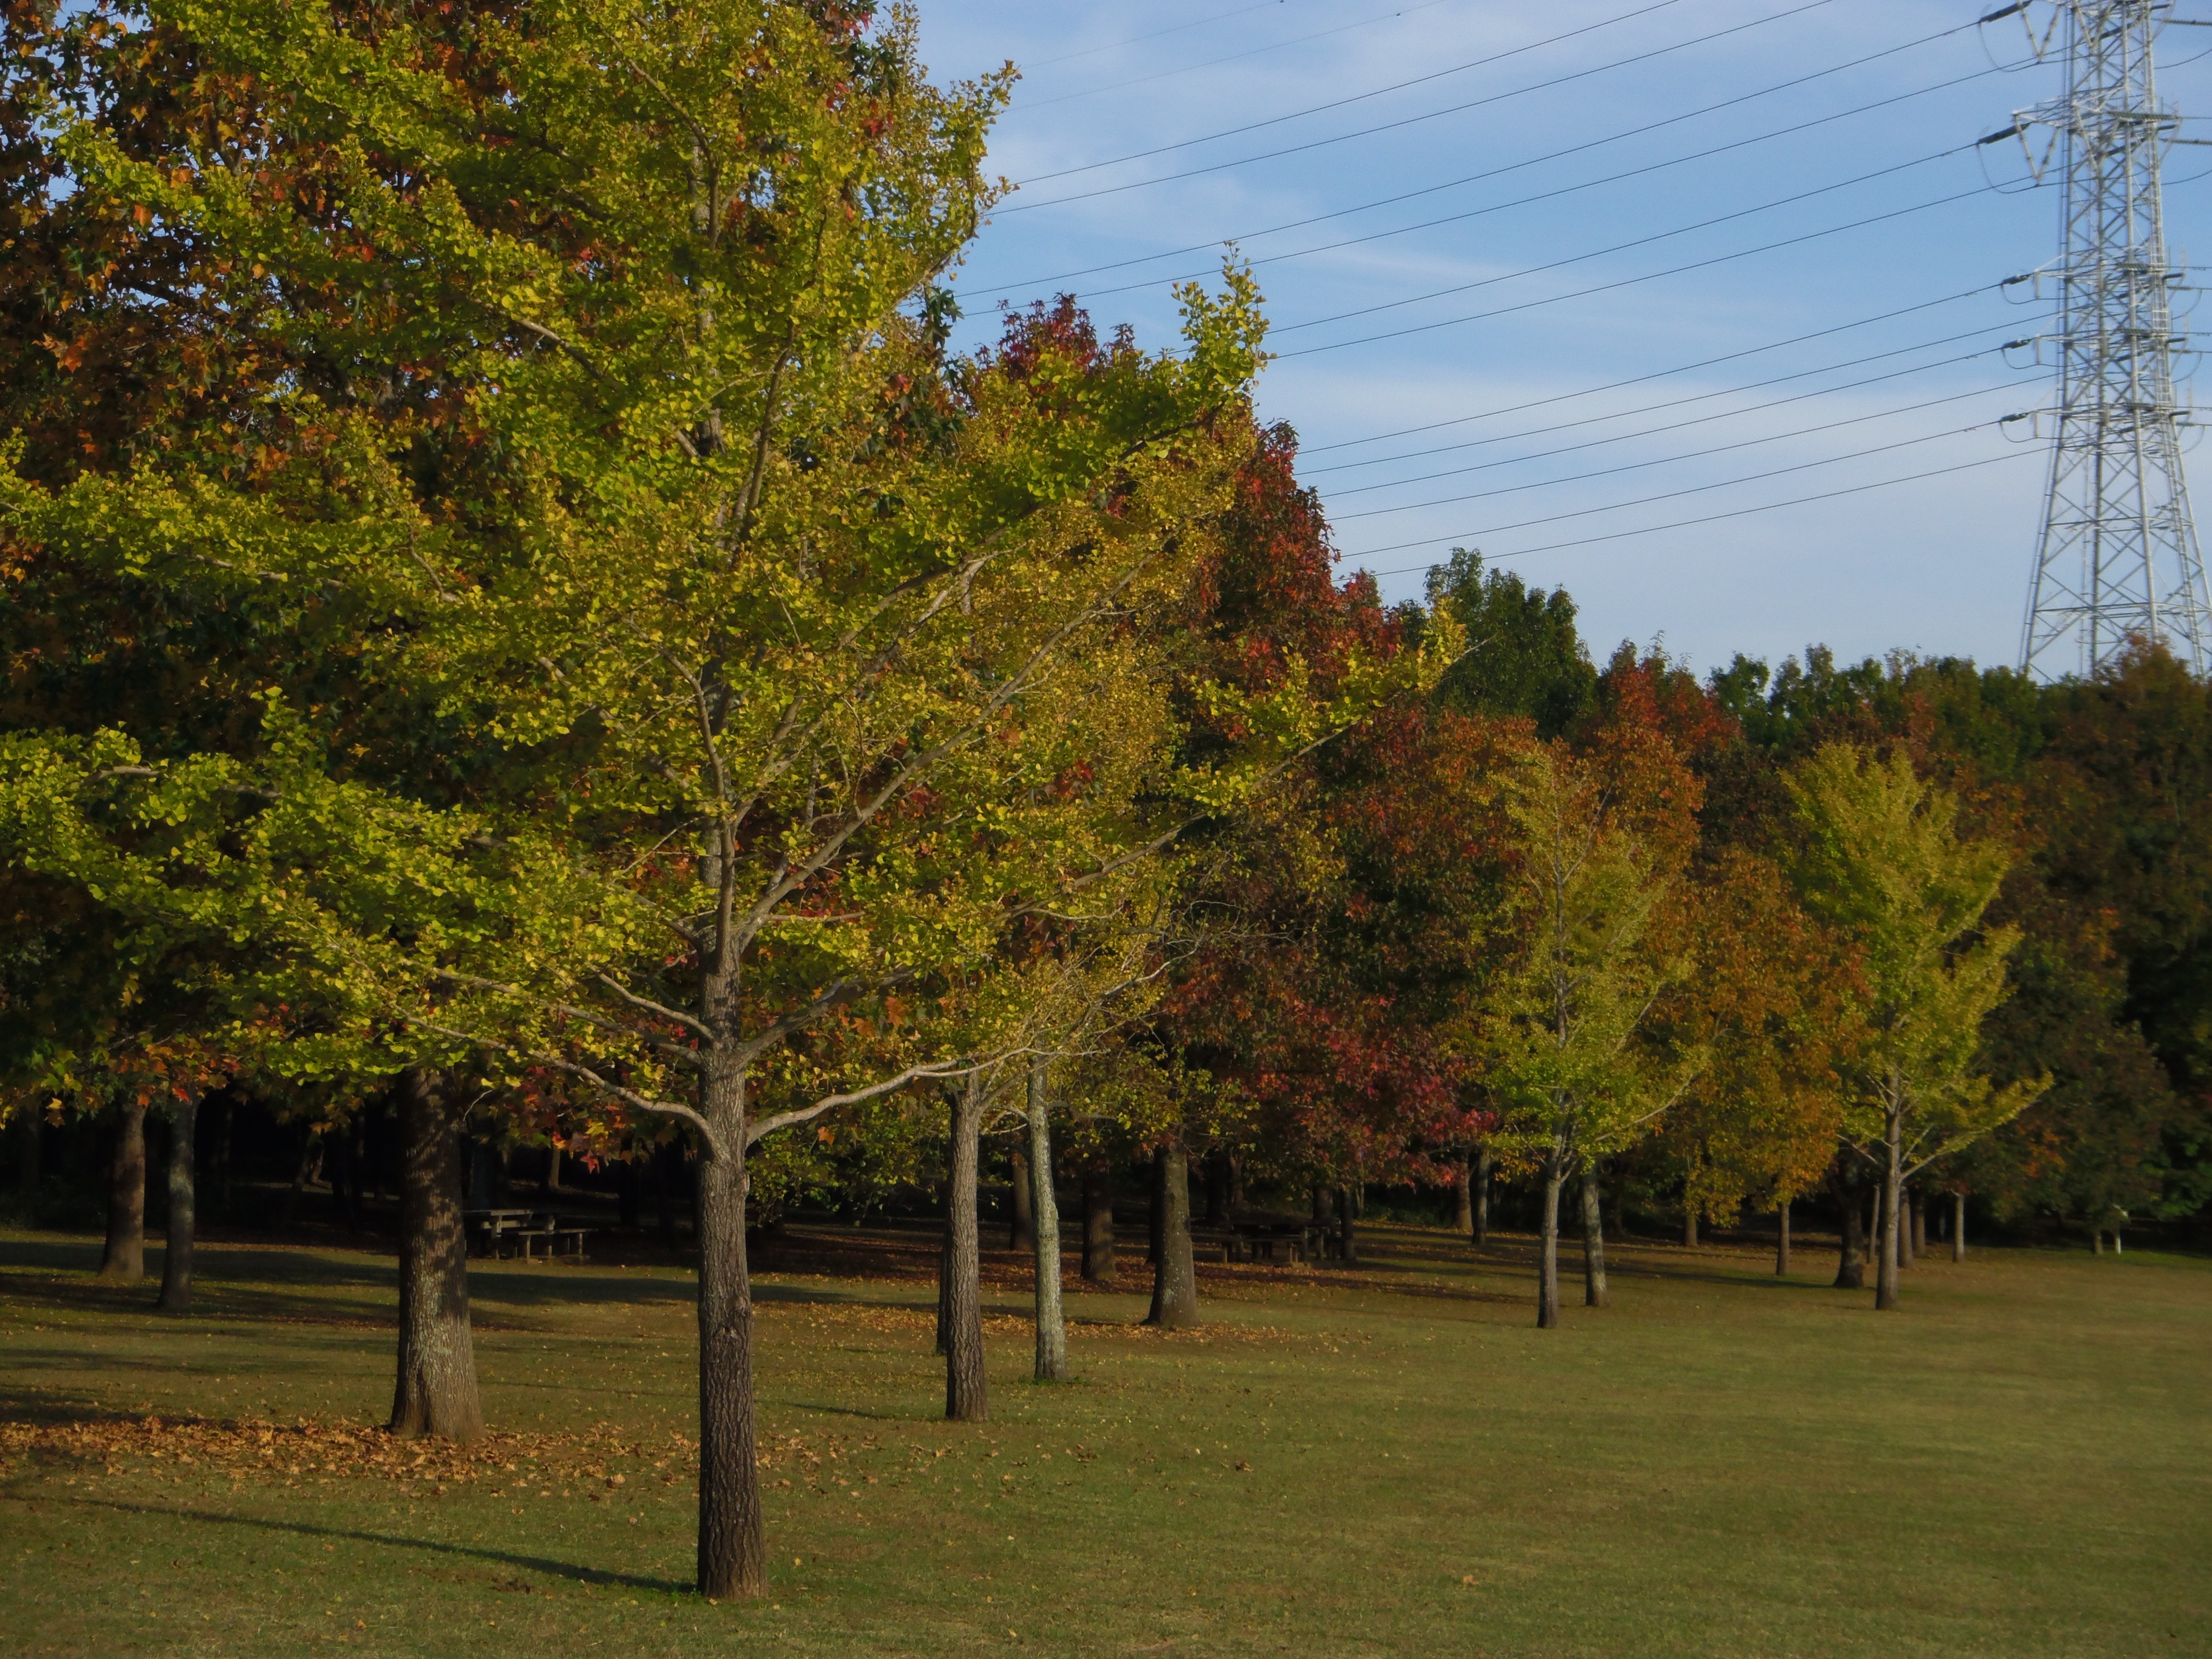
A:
(2018, 1463)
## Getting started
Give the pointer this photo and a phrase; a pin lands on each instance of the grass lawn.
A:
(2019, 1463)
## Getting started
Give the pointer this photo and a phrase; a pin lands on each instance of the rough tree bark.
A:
(1594, 1293)
(177, 1259)
(126, 1255)
(1892, 1175)
(1463, 1198)
(1547, 1274)
(1782, 1237)
(732, 1552)
(1347, 1216)
(1484, 1162)
(1958, 1226)
(1051, 1323)
(1021, 1233)
(1175, 1280)
(435, 1392)
(1850, 1261)
(1098, 1220)
(967, 1393)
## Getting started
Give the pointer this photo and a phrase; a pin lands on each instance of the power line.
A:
(1640, 242)
(1232, 57)
(1356, 98)
(1666, 460)
(1625, 282)
(1538, 161)
(1677, 403)
(1682, 368)
(1724, 484)
(1680, 524)
(1651, 431)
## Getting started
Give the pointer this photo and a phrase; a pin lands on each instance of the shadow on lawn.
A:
(308, 1529)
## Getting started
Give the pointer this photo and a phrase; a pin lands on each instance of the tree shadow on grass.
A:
(308, 1529)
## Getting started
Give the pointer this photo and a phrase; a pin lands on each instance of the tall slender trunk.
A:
(1958, 1226)
(1463, 1198)
(1098, 1220)
(1051, 1324)
(1484, 1162)
(1782, 1237)
(1689, 1222)
(1905, 1253)
(1885, 1285)
(1548, 1272)
(177, 1259)
(551, 1186)
(1347, 1217)
(1156, 1215)
(1594, 1293)
(125, 1255)
(1175, 1281)
(1237, 1205)
(1851, 1261)
(733, 1553)
(435, 1392)
(1021, 1234)
(967, 1394)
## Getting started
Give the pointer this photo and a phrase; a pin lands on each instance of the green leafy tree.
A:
(1880, 861)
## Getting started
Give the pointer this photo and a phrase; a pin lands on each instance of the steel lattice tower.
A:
(2117, 557)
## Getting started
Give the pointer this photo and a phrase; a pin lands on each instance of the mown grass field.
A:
(2019, 1463)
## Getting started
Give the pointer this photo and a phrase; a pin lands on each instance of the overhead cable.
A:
(1533, 161)
(1665, 374)
(1625, 282)
(1673, 403)
(1667, 460)
(1356, 98)
(1718, 483)
(1229, 57)
(1623, 247)
(1679, 524)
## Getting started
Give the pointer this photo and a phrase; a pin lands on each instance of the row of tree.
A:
(514, 608)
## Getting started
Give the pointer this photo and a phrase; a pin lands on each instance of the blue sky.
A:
(1550, 451)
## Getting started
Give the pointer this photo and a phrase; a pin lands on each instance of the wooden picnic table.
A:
(522, 1230)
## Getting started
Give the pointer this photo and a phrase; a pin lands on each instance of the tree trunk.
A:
(1958, 1226)
(436, 1391)
(1156, 1216)
(1347, 1219)
(125, 1255)
(1237, 1186)
(1175, 1281)
(1905, 1253)
(310, 1156)
(1919, 1214)
(177, 1259)
(1463, 1198)
(1594, 1294)
(1051, 1323)
(1098, 1220)
(1484, 1163)
(29, 1125)
(1021, 1234)
(1547, 1275)
(1782, 1237)
(552, 1187)
(967, 1394)
(1850, 1263)
(732, 1554)
(1689, 1222)
(1885, 1283)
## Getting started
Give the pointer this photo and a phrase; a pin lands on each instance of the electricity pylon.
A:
(2117, 557)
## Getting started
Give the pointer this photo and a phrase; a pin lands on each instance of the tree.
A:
(1880, 862)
